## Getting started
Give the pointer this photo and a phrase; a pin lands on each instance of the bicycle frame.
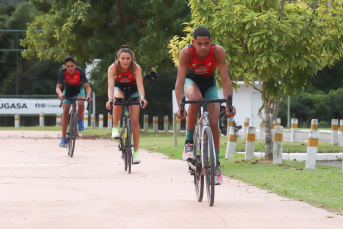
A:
(204, 162)
(73, 104)
(205, 116)
(72, 126)
(126, 118)
(125, 140)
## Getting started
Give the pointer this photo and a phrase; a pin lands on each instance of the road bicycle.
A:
(72, 132)
(126, 140)
(204, 161)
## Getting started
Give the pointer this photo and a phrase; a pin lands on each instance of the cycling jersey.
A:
(74, 83)
(202, 72)
(77, 79)
(125, 79)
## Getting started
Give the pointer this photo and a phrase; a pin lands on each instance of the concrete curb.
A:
(289, 130)
(302, 156)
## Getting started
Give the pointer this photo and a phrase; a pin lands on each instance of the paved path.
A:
(41, 187)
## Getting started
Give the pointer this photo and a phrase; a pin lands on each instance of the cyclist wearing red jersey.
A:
(195, 79)
(75, 84)
(123, 73)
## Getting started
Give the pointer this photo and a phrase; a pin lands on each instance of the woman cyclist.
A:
(126, 73)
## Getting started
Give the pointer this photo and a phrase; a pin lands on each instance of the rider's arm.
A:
(220, 57)
(139, 79)
(88, 90)
(60, 80)
(184, 59)
(84, 80)
(111, 76)
(59, 91)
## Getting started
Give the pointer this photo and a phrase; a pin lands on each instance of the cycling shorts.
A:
(134, 94)
(206, 92)
(78, 94)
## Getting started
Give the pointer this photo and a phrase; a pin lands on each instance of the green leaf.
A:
(248, 25)
(271, 59)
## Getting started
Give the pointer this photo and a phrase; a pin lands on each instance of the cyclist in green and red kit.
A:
(122, 74)
(75, 85)
(197, 64)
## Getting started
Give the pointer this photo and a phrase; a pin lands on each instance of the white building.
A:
(247, 102)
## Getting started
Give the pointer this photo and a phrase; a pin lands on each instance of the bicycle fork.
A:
(206, 126)
(125, 133)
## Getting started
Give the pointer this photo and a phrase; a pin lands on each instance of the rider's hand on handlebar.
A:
(61, 96)
(89, 99)
(230, 114)
(178, 114)
(108, 104)
(144, 104)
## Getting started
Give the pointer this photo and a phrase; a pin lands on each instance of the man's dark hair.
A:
(69, 58)
(202, 32)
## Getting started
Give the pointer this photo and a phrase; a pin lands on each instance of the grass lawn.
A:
(288, 147)
(322, 187)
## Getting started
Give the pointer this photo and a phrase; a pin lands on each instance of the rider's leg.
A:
(65, 114)
(218, 179)
(80, 107)
(134, 116)
(214, 111)
(192, 93)
(214, 117)
(117, 110)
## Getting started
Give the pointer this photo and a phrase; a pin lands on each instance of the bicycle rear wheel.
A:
(72, 134)
(121, 148)
(198, 177)
(128, 145)
(209, 164)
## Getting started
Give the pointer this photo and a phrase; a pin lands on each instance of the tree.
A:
(96, 30)
(330, 78)
(277, 43)
(34, 77)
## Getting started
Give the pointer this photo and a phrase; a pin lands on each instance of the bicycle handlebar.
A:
(73, 98)
(126, 103)
(205, 101)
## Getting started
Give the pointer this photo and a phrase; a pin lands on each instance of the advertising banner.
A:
(31, 106)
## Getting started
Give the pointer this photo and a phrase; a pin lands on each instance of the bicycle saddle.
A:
(119, 99)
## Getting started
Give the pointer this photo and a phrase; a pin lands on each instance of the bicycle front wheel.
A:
(209, 164)
(198, 176)
(72, 134)
(123, 151)
(128, 145)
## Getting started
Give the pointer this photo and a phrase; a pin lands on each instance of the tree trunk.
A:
(271, 109)
(267, 121)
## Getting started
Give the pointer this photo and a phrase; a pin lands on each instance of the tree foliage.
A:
(34, 77)
(279, 44)
(330, 78)
(96, 29)
(319, 105)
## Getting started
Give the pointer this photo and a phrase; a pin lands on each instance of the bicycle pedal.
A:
(192, 160)
(191, 171)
